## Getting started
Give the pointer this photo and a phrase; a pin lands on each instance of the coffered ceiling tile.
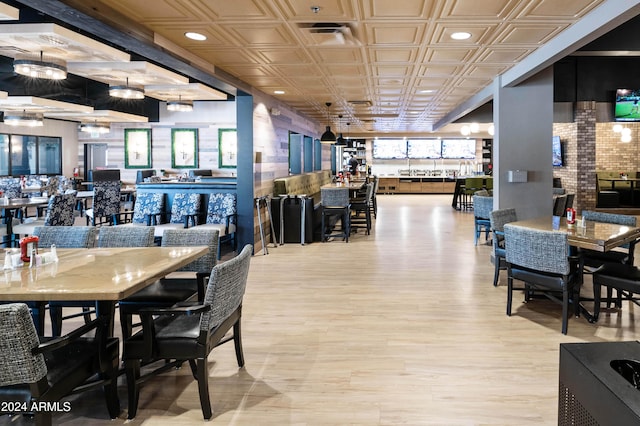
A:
(285, 56)
(245, 71)
(329, 10)
(479, 32)
(436, 70)
(414, 9)
(531, 34)
(392, 71)
(490, 9)
(295, 70)
(431, 82)
(350, 69)
(260, 35)
(339, 56)
(449, 54)
(240, 10)
(486, 70)
(162, 10)
(230, 56)
(394, 54)
(384, 34)
(504, 56)
(555, 9)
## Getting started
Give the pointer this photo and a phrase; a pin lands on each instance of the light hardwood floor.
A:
(399, 327)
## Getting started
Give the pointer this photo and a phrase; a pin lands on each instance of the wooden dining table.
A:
(105, 275)
(596, 236)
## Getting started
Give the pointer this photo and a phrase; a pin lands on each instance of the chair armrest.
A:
(63, 341)
(184, 308)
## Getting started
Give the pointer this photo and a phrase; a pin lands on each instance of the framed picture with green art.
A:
(184, 148)
(137, 148)
(227, 149)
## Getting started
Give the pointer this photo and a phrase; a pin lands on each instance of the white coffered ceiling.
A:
(388, 65)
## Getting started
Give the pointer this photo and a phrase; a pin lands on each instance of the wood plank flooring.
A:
(399, 327)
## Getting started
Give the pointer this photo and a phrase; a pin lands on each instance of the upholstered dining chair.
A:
(105, 208)
(190, 332)
(184, 213)
(471, 185)
(222, 214)
(542, 261)
(67, 237)
(623, 254)
(499, 218)
(32, 371)
(560, 205)
(170, 290)
(59, 213)
(482, 206)
(361, 211)
(125, 236)
(336, 206)
(148, 208)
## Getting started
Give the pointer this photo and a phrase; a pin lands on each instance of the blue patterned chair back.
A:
(74, 237)
(184, 205)
(220, 206)
(17, 338)
(11, 187)
(544, 251)
(60, 210)
(106, 198)
(147, 203)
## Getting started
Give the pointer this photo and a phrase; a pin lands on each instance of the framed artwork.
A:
(184, 148)
(137, 148)
(227, 148)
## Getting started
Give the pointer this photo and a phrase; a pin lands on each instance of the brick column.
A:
(585, 119)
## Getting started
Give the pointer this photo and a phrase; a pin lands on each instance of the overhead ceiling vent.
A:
(361, 103)
(330, 33)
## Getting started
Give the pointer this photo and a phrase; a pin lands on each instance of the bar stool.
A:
(335, 206)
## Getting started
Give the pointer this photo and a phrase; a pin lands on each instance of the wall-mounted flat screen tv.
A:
(424, 148)
(459, 148)
(556, 148)
(627, 105)
(389, 149)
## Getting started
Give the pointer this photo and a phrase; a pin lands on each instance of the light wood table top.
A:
(595, 236)
(95, 274)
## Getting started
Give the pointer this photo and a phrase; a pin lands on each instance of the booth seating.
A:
(302, 193)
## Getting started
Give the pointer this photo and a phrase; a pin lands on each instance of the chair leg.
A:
(126, 323)
(565, 309)
(509, 294)
(496, 273)
(203, 387)
(132, 368)
(596, 299)
(55, 313)
(111, 390)
(237, 342)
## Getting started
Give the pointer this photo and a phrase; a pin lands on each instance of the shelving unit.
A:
(358, 148)
(487, 156)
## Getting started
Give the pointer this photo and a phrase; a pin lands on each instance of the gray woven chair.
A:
(623, 254)
(126, 236)
(190, 333)
(31, 371)
(541, 260)
(168, 291)
(67, 237)
(335, 206)
(499, 218)
(482, 206)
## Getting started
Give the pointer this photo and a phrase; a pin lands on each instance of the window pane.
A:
(23, 155)
(4, 155)
(49, 156)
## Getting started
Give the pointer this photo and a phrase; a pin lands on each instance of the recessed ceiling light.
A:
(195, 36)
(279, 92)
(427, 91)
(461, 35)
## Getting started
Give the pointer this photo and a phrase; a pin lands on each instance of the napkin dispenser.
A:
(27, 247)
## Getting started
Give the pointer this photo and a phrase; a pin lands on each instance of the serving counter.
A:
(416, 185)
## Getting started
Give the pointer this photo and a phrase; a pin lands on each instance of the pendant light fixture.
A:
(27, 119)
(180, 105)
(126, 91)
(95, 128)
(39, 68)
(328, 136)
(341, 140)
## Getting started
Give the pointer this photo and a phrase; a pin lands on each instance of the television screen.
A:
(627, 105)
(389, 149)
(459, 148)
(556, 148)
(424, 148)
